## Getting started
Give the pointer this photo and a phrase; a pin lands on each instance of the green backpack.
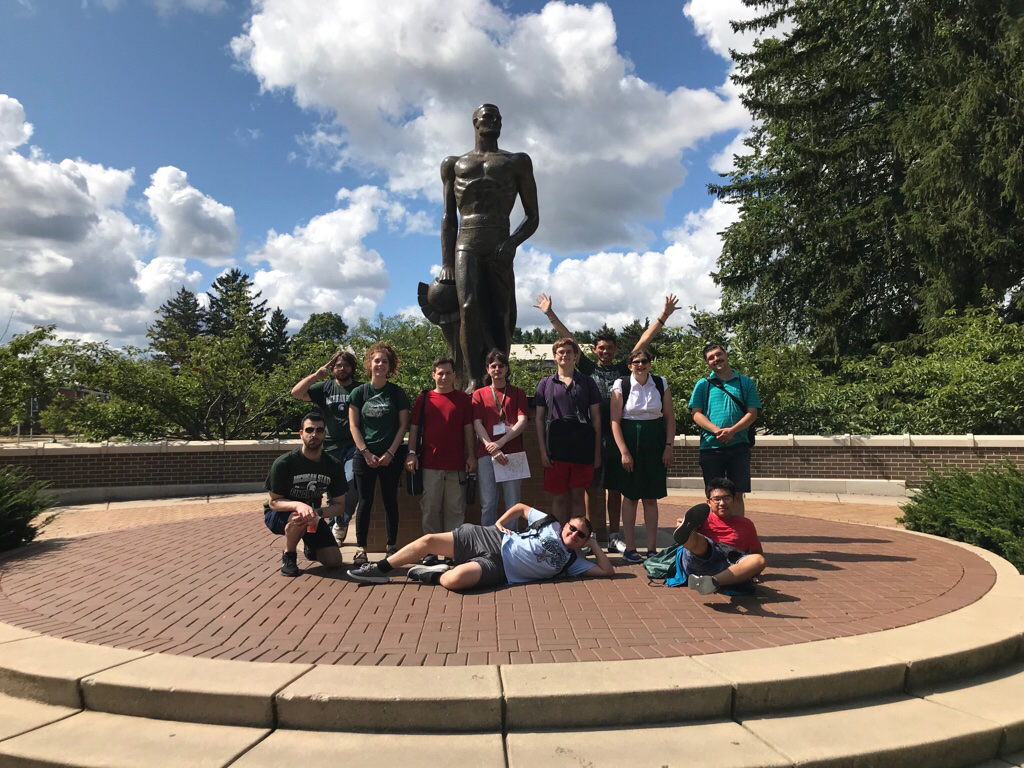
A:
(663, 564)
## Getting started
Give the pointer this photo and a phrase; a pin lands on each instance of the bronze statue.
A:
(477, 251)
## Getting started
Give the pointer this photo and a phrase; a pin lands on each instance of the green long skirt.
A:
(646, 443)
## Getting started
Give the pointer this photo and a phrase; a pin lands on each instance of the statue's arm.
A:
(449, 220)
(526, 186)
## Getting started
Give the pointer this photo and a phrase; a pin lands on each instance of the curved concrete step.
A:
(970, 726)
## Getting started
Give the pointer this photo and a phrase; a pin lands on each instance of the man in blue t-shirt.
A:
(725, 406)
(489, 556)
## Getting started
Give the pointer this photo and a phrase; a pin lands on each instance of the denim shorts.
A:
(718, 558)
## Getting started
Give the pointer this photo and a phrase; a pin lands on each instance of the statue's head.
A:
(487, 120)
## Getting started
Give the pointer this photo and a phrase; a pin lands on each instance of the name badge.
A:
(500, 429)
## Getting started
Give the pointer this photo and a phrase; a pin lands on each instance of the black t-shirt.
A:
(604, 376)
(297, 478)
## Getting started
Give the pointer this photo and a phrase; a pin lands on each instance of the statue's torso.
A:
(486, 187)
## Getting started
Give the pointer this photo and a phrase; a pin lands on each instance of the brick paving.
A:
(201, 579)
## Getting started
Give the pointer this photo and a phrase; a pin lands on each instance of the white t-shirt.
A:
(534, 555)
(644, 402)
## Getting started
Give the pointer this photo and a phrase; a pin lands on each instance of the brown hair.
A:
(568, 341)
(387, 349)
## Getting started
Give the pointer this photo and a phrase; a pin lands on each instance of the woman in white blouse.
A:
(643, 425)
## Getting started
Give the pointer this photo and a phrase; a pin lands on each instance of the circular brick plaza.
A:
(210, 587)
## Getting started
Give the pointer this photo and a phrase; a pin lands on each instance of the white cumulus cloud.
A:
(617, 287)
(400, 80)
(325, 266)
(191, 224)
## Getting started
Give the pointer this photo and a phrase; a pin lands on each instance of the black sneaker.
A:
(422, 572)
(430, 561)
(368, 573)
(289, 564)
(694, 518)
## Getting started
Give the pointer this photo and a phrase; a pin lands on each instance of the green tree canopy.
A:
(883, 181)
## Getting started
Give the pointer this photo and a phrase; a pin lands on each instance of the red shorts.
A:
(564, 475)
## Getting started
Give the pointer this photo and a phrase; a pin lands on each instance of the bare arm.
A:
(516, 512)
(669, 412)
(279, 503)
(620, 440)
(470, 443)
(301, 390)
(449, 220)
(604, 567)
(544, 305)
(526, 185)
(412, 461)
(541, 443)
(671, 305)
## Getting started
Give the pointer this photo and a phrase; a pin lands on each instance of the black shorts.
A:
(319, 539)
(481, 544)
(732, 461)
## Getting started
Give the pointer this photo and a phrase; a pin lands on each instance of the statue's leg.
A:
(471, 331)
(501, 291)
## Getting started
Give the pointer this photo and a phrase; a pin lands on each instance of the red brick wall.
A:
(126, 466)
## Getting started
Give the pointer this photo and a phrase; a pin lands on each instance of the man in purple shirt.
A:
(569, 431)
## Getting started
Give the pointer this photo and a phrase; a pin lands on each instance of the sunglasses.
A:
(577, 531)
(314, 430)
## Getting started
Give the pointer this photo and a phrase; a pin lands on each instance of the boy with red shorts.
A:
(568, 431)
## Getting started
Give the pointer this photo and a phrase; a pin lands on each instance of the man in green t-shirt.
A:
(329, 388)
(295, 489)
(604, 373)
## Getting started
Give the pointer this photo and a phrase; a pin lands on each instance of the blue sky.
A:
(150, 144)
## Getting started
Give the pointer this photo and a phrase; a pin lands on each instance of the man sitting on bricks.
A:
(720, 549)
(295, 489)
(489, 556)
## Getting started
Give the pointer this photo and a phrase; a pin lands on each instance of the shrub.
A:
(985, 509)
(22, 500)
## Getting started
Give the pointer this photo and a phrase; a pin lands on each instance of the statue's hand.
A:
(506, 251)
(446, 275)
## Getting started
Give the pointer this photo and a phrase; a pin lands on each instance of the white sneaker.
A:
(616, 542)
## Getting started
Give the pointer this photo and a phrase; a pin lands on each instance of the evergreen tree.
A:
(180, 319)
(816, 253)
(276, 341)
(233, 304)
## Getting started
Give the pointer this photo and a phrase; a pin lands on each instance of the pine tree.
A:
(233, 303)
(180, 319)
(276, 342)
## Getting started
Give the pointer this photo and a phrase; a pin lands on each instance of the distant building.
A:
(535, 357)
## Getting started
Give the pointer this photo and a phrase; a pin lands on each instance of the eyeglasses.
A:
(314, 430)
(643, 361)
(719, 499)
(577, 531)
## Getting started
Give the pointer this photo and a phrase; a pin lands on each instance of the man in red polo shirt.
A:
(444, 418)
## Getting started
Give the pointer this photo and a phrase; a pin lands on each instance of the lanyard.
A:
(500, 404)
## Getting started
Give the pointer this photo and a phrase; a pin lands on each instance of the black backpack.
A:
(659, 384)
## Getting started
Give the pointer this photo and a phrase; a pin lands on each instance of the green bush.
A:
(22, 500)
(985, 509)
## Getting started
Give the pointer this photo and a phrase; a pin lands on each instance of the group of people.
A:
(603, 428)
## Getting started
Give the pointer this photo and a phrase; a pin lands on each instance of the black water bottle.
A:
(470, 483)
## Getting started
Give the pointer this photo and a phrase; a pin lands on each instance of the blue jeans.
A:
(344, 455)
(488, 488)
